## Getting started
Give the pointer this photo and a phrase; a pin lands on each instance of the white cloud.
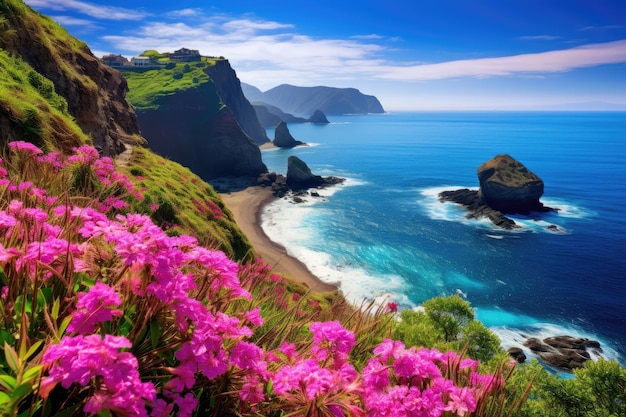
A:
(89, 9)
(542, 62)
(190, 12)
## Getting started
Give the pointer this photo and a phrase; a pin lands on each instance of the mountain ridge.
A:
(303, 101)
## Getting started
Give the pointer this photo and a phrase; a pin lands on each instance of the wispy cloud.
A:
(524, 64)
(605, 27)
(89, 9)
(540, 38)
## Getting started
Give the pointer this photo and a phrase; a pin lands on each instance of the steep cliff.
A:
(194, 128)
(95, 93)
(229, 90)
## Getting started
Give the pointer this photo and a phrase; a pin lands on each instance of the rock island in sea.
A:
(506, 187)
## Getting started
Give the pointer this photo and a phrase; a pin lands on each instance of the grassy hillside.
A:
(148, 85)
(181, 202)
(31, 108)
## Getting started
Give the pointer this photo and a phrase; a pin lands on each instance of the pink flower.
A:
(331, 338)
(26, 147)
(94, 307)
(391, 307)
(254, 317)
(80, 359)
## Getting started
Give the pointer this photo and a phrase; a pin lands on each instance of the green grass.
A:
(34, 109)
(147, 87)
(187, 204)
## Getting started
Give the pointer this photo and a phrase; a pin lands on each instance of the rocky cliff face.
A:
(95, 93)
(187, 129)
(229, 90)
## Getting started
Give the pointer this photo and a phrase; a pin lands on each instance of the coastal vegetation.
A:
(146, 86)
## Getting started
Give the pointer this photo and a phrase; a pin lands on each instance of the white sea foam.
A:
(294, 227)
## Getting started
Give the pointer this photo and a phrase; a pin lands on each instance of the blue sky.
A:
(412, 55)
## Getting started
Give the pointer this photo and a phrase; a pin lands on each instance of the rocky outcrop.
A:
(318, 117)
(472, 201)
(299, 175)
(283, 138)
(95, 93)
(186, 129)
(508, 186)
(564, 352)
(229, 90)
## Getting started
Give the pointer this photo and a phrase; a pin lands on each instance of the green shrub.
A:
(447, 323)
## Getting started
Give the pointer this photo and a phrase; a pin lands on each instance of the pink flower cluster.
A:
(411, 382)
(83, 359)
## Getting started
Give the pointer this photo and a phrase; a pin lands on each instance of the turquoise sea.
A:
(384, 235)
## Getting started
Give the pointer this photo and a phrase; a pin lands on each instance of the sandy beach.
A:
(246, 206)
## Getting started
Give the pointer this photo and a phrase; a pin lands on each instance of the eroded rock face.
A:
(283, 138)
(508, 186)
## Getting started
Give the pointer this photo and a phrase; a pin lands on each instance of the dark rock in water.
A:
(471, 200)
(508, 186)
(283, 138)
(318, 117)
(299, 175)
(564, 352)
(517, 354)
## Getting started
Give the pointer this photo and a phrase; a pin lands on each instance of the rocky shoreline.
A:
(564, 353)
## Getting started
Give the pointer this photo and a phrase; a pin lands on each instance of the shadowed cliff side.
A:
(229, 90)
(194, 129)
(95, 93)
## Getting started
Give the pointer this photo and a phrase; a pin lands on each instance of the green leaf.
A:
(8, 382)
(32, 373)
(6, 337)
(270, 387)
(64, 324)
(33, 349)
(54, 313)
(11, 355)
(20, 393)
(4, 399)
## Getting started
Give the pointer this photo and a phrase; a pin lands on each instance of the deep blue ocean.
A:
(384, 235)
